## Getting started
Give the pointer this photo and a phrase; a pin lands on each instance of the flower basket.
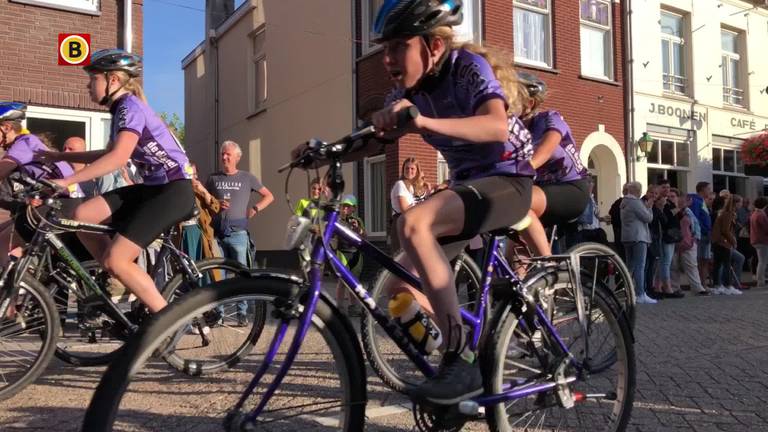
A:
(754, 150)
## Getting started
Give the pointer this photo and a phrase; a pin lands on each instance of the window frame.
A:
(675, 139)
(255, 63)
(89, 7)
(673, 39)
(732, 93)
(550, 60)
(608, 50)
(370, 202)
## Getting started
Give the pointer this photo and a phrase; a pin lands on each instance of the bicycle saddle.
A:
(519, 226)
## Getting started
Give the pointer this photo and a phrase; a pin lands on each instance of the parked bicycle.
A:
(538, 371)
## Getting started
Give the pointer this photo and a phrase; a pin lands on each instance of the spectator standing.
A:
(671, 235)
(410, 190)
(615, 214)
(636, 214)
(687, 248)
(700, 210)
(233, 188)
(723, 241)
(654, 247)
(758, 236)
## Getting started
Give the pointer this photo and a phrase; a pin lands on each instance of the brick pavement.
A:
(702, 362)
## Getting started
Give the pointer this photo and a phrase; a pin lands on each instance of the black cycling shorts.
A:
(141, 213)
(565, 201)
(491, 203)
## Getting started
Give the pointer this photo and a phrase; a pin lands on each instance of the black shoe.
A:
(655, 295)
(242, 321)
(456, 380)
(674, 295)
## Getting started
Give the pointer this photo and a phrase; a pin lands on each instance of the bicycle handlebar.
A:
(319, 150)
(36, 186)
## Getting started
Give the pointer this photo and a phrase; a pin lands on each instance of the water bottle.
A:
(406, 311)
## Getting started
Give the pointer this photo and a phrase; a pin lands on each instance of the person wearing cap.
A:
(140, 212)
(348, 254)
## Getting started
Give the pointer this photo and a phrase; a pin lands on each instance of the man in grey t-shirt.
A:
(233, 188)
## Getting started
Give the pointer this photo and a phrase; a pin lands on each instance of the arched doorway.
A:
(605, 159)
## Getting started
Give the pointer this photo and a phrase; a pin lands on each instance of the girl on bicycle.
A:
(20, 147)
(465, 99)
(561, 192)
(141, 212)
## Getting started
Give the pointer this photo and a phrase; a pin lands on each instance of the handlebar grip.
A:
(404, 117)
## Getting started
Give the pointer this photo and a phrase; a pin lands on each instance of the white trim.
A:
(607, 44)
(368, 194)
(550, 61)
(365, 29)
(94, 124)
(597, 139)
(90, 7)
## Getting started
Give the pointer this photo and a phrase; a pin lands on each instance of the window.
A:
(596, 40)
(258, 73)
(376, 196)
(443, 173)
(670, 157)
(727, 166)
(90, 7)
(673, 56)
(733, 93)
(468, 31)
(533, 32)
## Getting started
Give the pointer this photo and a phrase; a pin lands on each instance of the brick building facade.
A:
(587, 90)
(29, 72)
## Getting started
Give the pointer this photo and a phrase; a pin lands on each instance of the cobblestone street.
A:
(702, 366)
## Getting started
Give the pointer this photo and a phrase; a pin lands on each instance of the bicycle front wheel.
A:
(522, 357)
(28, 333)
(325, 390)
(224, 335)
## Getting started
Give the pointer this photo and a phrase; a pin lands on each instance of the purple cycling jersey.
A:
(158, 156)
(564, 165)
(464, 83)
(22, 152)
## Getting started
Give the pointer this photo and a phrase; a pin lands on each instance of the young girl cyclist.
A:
(141, 212)
(464, 101)
(562, 182)
(20, 147)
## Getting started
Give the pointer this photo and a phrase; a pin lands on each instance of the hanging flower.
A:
(754, 150)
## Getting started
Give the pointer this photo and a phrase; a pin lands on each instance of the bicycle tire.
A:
(393, 376)
(624, 288)
(105, 403)
(176, 287)
(505, 334)
(49, 332)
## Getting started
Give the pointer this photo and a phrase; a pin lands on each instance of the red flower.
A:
(754, 150)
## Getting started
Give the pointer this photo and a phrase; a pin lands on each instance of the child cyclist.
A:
(561, 192)
(464, 101)
(140, 212)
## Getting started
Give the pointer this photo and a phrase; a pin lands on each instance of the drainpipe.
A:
(630, 148)
(214, 43)
(128, 25)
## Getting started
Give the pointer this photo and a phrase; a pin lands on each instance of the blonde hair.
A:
(501, 63)
(130, 84)
(418, 184)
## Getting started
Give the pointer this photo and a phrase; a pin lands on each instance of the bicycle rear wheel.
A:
(219, 339)
(28, 335)
(325, 390)
(386, 359)
(520, 358)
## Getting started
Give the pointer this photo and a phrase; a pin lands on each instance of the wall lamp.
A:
(645, 145)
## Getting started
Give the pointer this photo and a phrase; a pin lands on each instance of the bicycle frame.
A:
(321, 252)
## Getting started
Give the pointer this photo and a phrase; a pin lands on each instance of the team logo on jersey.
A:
(74, 49)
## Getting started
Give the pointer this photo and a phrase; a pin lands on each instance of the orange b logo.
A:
(74, 49)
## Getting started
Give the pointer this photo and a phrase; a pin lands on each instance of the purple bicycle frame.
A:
(494, 260)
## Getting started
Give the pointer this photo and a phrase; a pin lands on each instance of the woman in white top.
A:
(410, 190)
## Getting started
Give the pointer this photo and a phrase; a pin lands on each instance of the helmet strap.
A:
(108, 97)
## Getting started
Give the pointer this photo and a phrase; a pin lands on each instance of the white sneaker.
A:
(196, 331)
(719, 290)
(733, 291)
(644, 299)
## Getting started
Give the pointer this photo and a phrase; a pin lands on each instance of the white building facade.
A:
(700, 87)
